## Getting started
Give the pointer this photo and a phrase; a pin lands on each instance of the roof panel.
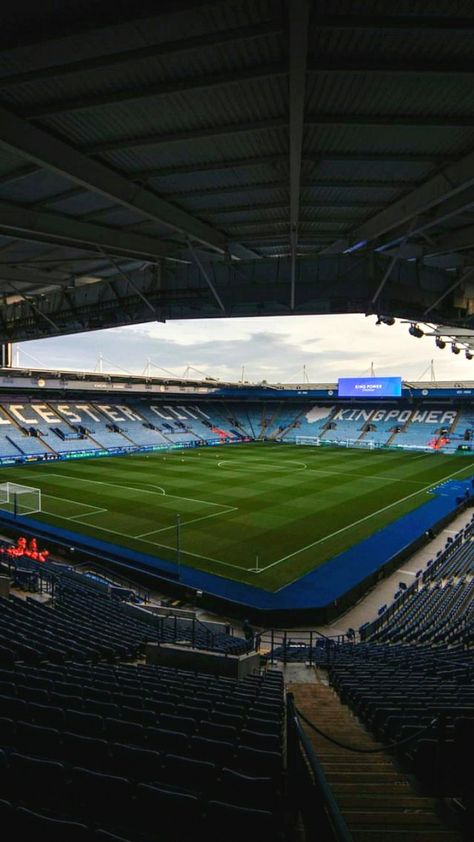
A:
(435, 141)
(367, 168)
(248, 144)
(231, 104)
(388, 93)
(133, 78)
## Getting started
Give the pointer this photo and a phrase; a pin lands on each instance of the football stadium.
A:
(235, 609)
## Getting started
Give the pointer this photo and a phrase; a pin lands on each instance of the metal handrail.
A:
(336, 829)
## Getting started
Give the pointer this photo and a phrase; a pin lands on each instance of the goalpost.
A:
(20, 499)
(317, 441)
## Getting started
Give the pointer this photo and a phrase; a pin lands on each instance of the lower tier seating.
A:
(140, 752)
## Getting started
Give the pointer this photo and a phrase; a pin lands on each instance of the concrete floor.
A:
(383, 593)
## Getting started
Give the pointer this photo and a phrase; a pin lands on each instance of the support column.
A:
(7, 355)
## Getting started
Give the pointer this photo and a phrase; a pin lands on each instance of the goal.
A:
(20, 499)
(317, 441)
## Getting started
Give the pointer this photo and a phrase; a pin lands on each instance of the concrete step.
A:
(388, 835)
(361, 778)
(388, 801)
(392, 818)
(359, 767)
(343, 788)
(375, 798)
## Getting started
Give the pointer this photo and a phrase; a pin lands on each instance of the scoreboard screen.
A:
(370, 387)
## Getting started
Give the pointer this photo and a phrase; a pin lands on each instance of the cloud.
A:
(271, 348)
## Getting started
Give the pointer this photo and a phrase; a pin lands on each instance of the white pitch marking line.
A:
(156, 544)
(66, 500)
(134, 488)
(264, 465)
(356, 522)
(187, 522)
(89, 514)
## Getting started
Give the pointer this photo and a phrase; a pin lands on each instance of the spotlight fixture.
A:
(455, 349)
(440, 343)
(385, 320)
(415, 330)
(468, 355)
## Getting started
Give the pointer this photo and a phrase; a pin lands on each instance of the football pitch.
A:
(260, 513)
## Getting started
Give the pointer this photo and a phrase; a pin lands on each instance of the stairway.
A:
(376, 799)
(403, 429)
(365, 426)
(455, 422)
(293, 424)
(270, 424)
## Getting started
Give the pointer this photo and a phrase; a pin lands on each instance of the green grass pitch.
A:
(292, 506)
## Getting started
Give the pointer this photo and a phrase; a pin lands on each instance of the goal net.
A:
(20, 499)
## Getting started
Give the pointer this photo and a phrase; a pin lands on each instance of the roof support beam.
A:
(453, 180)
(207, 166)
(298, 11)
(159, 89)
(454, 241)
(276, 160)
(33, 277)
(313, 205)
(383, 157)
(201, 133)
(154, 51)
(33, 306)
(27, 224)
(47, 23)
(17, 175)
(50, 152)
(390, 120)
(206, 277)
(127, 277)
(365, 184)
(394, 22)
(460, 280)
(394, 66)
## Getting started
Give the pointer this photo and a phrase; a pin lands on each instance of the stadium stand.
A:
(87, 623)
(409, 683)
(88, 742)
(38, 429)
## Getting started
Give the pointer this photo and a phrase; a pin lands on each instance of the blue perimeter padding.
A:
(317, 589)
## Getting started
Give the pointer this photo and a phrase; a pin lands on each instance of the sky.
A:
(282, 349)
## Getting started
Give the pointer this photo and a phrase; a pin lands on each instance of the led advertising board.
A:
(370, 387)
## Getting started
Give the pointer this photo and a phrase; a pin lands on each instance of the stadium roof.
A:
(188, 159)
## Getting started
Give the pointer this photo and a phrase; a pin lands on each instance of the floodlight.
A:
(440, 343)
(468, 355)
(415, 330)
(455, 349)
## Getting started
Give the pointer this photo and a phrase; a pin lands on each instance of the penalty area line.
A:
(361, 520)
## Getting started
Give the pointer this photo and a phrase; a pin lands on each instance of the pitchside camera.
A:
(415, 330)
